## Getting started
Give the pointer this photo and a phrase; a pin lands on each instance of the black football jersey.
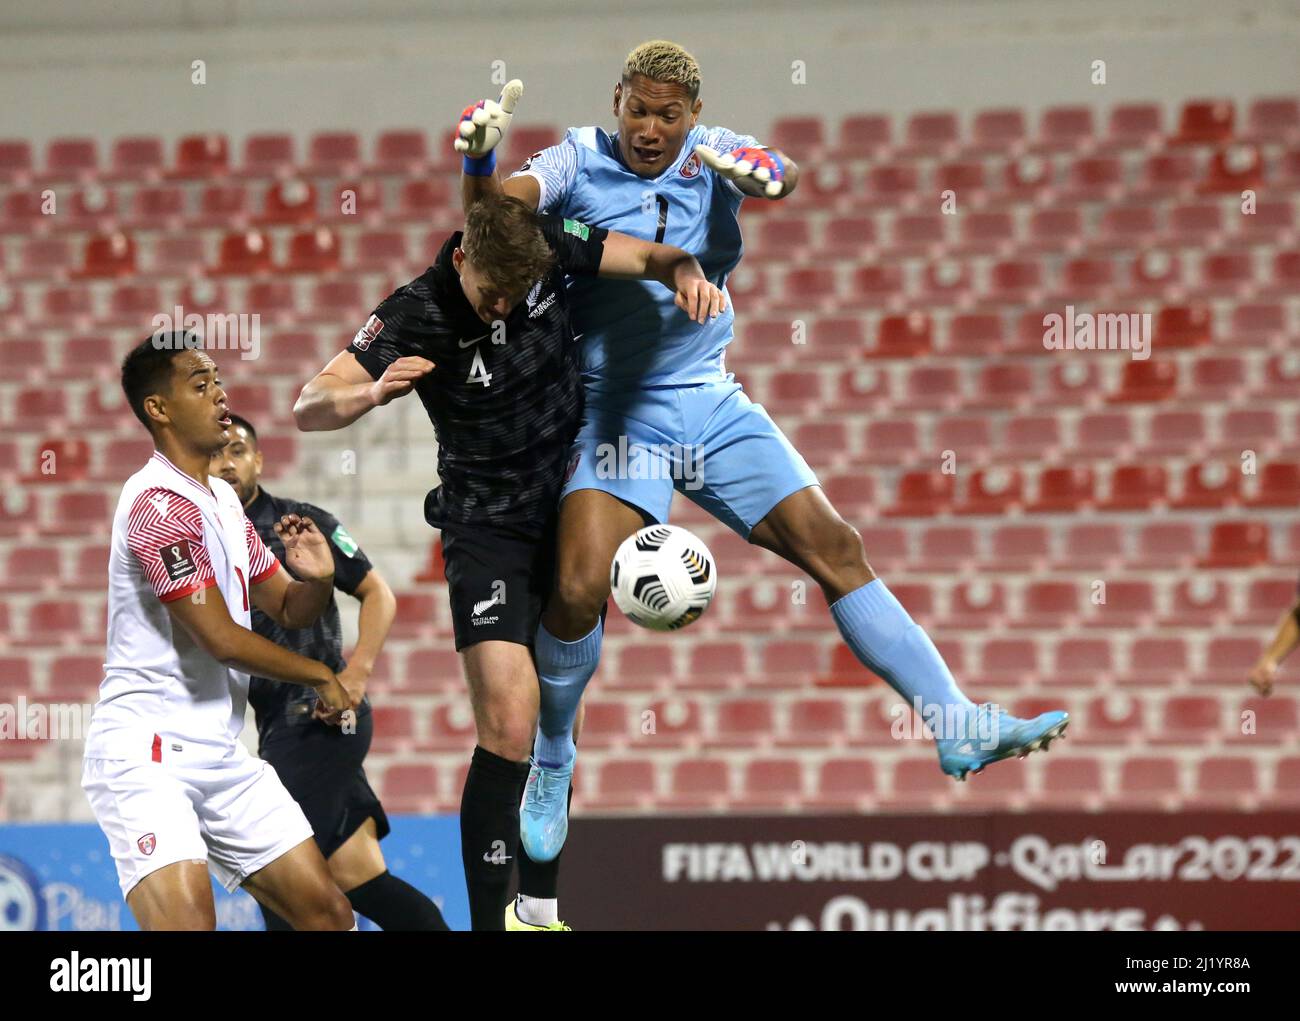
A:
(504, 400)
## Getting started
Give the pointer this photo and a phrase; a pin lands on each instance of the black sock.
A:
(541, 879)
(489, 835)
(274, 923)
(396, 906)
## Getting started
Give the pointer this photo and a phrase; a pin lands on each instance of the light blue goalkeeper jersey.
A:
(633, 336)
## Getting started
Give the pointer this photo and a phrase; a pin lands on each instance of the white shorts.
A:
(236, 815)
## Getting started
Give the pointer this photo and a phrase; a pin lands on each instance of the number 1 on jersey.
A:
(478, 372)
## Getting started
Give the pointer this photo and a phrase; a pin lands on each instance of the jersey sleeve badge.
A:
(367, 334)
(346, 544)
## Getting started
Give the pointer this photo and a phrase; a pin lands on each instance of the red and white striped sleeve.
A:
(165, 532)
(261, 561)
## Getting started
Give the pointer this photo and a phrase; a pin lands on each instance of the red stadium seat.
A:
(67, 158)
(1136, 487)
(998, 130)
(978, 334)
(356, 202)
(992, 491)
(844, 781)
(268, 155)
(1014, 280)
(32, 569)
(315, 251)
(1279, 486)
(1063, 490)
(1115, 719)
(15, 159)
(333, 152)
(1274, 119)
(743, 723)
(903, 336)
(1237, 544)
(922, 494)
(1146, 381)
(986, 233)
(1205, 120)
(111, 255)
(157, 208)
(847, 237)
(932, 133)
(401, 152)
(797, 135)
(891, 441)
(626, 782)
(963, 179)
(774, 783)
(1133, 125)
(1233, 170)
(1066, 127)
(1209, 485)
(244, 253)
(1070, 782)
(200, 156)
(1054, 229)
(700, 783)
(291, 201)
(931, 386)
(420, 199)
(864, 134)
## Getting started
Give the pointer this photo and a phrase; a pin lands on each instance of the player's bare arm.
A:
(378, 608)
(343, 391)
(629, 258)
(208, 622)
(297, 603)
(1285, 639)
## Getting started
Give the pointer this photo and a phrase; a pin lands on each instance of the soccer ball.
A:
(663, 577)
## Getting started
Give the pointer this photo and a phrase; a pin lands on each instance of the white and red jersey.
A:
(162, 696)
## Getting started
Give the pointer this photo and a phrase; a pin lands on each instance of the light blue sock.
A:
(564, 668)
(886, 640)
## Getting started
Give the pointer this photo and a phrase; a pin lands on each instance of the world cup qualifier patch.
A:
(177, 560)
(578, 229)
(366, 335)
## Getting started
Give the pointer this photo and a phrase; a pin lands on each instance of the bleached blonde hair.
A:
(664, 61)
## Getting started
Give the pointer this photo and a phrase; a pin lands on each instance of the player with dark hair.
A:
(317, 759)
(483, 337)
(169, 782)
(657, 381)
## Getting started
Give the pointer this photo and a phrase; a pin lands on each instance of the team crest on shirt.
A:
(529, 162)
(573, 466)
(692, 166)
(366, 335)
(147, 843)
(177, 559)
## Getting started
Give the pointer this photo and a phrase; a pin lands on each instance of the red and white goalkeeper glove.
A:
(763, 165)
(483, 125)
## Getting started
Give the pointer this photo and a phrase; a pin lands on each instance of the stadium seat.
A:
(1136, 487)
(422, 199)
(1205, 120)
(1209, 485)
(401, 152)
(32, 569)
(1147, 381)
(975, 605)
(1234, 169)
(844, 782)
(268, 155)
(992, 491)
(314, 251)
(625, 783)
(1110, 720)
(50, 623)
(1020, 548)
(771, 783)
(904, 336)
(864, 135)
(931, 134)
(1062, 490)
(288, 202)
(111, 255)
(244, 253)
(994, 132)
(201, 156)
(1279, 486)
(1072, 782)
(888, 441)
(1066, 127)
(699, 783)
(848, 237)
(333, 153)
(15, 159)
(410, 787)
(742, 723)
(922, 494)
(1237, 544)
(69, 158)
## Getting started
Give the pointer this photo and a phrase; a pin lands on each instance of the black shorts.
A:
(321, 767)
(498, 582)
